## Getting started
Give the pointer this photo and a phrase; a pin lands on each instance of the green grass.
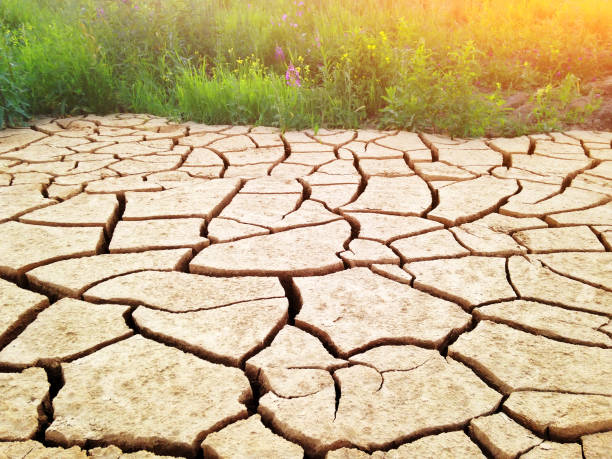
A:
(435, 65)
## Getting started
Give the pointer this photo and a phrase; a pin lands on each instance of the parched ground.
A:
(233, 292)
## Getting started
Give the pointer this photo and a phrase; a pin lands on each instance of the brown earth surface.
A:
(216, 291)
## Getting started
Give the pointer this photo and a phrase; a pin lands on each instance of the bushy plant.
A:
(444, 97)
(555, 105)
(13, 104)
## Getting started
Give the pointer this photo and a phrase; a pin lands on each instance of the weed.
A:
(13, 105)
(554, 106)
(443, 98)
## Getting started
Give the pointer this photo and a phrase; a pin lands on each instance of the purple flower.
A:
(292, 77)
(100, 12)
(284, 17)
(318, 41)
(279, 54)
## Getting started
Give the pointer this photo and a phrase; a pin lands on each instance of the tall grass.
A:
(55, 66)
(247, 96)
(442, 65)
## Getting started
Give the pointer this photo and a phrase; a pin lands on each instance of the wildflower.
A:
(284, 17)
(279, 54)
(318, 42)
(292, 76)
(100, 12)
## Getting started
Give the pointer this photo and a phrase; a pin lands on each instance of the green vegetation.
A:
(436, 65)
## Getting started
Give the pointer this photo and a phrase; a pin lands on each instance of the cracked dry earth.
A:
(217, 291)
